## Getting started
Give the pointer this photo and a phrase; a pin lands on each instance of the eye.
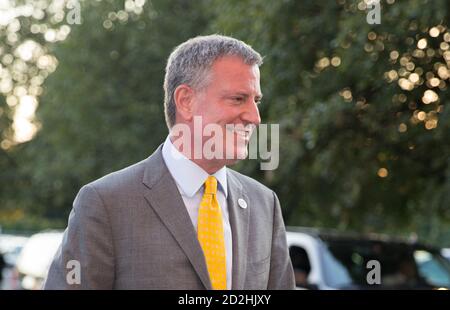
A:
(238, 99)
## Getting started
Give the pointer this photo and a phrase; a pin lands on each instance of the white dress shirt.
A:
(190, 178)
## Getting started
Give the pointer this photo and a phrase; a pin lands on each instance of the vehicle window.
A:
(336, 273)
(402, 265)
(301, 265)
(433, 268)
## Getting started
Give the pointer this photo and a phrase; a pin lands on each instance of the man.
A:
(177, 220)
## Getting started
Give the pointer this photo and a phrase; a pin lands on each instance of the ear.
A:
(183, 97)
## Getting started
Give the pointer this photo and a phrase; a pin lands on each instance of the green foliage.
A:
(354, 151)
(103, 108)
(340, 124)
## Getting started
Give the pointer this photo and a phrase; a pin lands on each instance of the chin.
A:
(237, 155)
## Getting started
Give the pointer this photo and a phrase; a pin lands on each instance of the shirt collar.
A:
(188, 175)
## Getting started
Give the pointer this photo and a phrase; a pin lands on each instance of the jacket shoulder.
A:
(128, 176)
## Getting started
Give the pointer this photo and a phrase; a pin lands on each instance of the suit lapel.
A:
(239, 221)
(163, 196)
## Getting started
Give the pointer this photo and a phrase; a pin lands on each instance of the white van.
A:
(35, 259)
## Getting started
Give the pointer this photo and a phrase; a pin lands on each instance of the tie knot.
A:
(211, 185)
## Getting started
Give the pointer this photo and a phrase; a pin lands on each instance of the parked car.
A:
(10, 248)
(35, 259)
(324, 259)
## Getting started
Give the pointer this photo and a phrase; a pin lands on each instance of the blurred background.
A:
(363, 112)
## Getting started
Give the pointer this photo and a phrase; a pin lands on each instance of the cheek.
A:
(218, 112)
(229, 113)
(216, 115)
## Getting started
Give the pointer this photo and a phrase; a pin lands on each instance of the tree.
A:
(364, 132)
(27, 29)
(103, 107)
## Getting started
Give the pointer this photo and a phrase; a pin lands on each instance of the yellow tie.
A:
(211, 236)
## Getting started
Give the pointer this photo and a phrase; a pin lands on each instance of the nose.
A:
(251, 113)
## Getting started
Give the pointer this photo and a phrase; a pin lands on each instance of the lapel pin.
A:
(242, 203)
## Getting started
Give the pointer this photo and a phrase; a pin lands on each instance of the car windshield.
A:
(400, 265)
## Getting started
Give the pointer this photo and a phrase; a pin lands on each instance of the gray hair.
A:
(189, 63)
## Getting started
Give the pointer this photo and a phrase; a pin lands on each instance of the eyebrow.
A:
(258, 97)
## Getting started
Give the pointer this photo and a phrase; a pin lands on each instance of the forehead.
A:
(232, 71)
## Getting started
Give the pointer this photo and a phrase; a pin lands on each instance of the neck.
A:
(211, 166)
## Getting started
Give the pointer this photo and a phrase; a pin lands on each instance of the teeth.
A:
(242, 133)
(246, 133)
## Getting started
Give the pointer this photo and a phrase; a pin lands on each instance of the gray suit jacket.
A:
(131, 230)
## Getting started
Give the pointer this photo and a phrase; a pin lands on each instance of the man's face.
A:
(231, 97)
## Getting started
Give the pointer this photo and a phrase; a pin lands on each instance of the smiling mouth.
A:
(243, 133)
